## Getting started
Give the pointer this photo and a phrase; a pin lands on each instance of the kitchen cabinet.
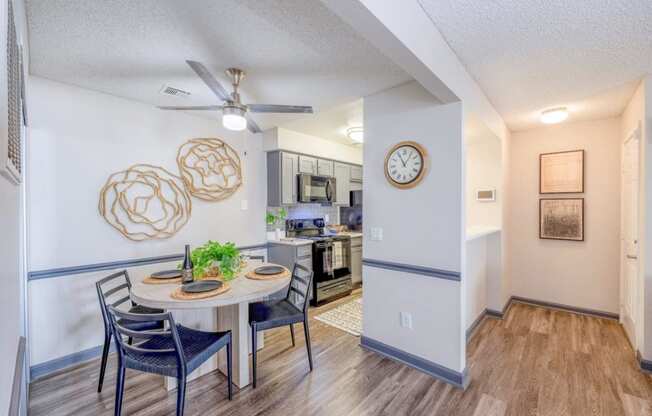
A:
(342, 173)
(287, 255)
(324, 167)
(356, 173)
(282, 171)
(356, 260)
(307, 164)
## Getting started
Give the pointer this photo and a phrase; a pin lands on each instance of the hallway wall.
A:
(581, 274)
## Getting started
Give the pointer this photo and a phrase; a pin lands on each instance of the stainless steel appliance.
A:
(330, 259)
(356, 198)
(316, 189)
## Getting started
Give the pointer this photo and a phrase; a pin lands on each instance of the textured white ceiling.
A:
(294, 51)
(528, 55)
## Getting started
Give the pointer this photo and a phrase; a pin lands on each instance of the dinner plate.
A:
(201, 286)
(166, 274)
(269, 270)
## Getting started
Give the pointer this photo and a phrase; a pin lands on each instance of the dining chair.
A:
(115, 285)
(281, 312)
(173, 352)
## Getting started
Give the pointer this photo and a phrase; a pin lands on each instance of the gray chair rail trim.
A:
(567, 308)
(119, 264)
(413, 269)
(48, 367)
(645, 365)
(435, 370)
(17, 385)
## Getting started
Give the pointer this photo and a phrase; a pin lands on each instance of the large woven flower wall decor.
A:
(210, 168)
(145, 202)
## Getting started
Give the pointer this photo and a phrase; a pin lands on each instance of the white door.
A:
(629, 287)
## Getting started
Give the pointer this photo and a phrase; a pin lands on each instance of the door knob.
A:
(629, 256)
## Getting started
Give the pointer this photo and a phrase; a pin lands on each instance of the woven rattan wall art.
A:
(210, 168)
(145, 202)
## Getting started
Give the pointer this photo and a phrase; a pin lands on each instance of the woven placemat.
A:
(179, 294)
(255, 276)
(153, 281)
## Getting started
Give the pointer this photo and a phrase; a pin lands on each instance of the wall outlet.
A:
(327, 219)
(244, 205)
(406, 320)
(376, 234)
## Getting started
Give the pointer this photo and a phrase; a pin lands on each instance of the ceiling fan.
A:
(235, 114)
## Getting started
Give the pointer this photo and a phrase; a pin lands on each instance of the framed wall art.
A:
(561, 219)
(561, 172)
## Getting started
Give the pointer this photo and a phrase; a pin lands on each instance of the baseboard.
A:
(435, 370)
(18, 382)
(566, 308)
(645, 365)
(471, 329)
(43, 369)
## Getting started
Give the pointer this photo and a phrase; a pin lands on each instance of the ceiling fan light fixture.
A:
(233, 118)
(355, 134)
(554, 115)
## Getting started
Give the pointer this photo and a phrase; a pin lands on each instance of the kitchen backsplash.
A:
(331, 214)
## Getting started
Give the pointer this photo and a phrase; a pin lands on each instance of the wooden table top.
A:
(242, 290)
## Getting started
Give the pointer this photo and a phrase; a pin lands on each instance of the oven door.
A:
(322, 261)
(316, 189)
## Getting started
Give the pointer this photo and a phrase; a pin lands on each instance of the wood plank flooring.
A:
(534, 362)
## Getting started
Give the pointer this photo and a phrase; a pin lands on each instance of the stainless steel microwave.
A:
(316, 189)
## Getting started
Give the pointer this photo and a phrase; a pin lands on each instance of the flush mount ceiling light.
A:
(554, 115)
(356, 134)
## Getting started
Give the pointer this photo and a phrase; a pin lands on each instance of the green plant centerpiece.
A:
(216, 260)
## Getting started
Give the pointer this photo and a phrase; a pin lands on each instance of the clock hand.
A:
(402, 161)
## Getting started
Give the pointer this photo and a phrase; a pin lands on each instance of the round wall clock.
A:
(406, 164)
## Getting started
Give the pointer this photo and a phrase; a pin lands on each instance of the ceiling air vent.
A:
(175, 92)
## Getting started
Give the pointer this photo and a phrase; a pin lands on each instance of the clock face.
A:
(404, 164)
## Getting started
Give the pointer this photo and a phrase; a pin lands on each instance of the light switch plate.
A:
(376, 234)
(244, 205)
(406, 320)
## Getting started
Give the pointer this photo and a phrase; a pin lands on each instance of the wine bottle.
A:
(186, 267)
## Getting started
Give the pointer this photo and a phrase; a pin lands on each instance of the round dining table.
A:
(227, 311)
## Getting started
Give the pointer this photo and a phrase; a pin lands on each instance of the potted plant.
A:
(216, 260)
(272, 219)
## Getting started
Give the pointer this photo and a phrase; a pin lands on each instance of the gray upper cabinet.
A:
(356, 173)
(307, 164)
(282, 170)
(342, 183)
(325, 167)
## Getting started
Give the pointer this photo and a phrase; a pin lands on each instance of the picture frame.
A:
(561, 172)
(561, 219)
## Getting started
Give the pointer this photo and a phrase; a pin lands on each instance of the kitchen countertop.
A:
(352, 234)
(295, 242)
(480, 231)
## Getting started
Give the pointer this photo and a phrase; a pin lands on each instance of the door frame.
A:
(636, 308)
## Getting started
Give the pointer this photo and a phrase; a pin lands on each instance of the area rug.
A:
(347, 317)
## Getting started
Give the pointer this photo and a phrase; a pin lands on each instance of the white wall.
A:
(79, 137)
(483, 171)
(284, 139)
(421, 226)
(580, 274)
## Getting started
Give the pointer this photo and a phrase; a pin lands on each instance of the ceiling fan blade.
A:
(209, 80)
(251, 124)
(194, 107)
(273, 108)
